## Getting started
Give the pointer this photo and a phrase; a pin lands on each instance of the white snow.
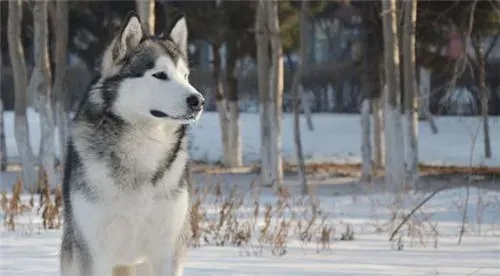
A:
(336, 138)
(31, 250)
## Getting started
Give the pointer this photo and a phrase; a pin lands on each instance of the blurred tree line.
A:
(334, 80)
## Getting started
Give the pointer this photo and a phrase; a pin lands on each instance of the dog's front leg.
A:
(178, 261)
(169, 267)
(100, 267)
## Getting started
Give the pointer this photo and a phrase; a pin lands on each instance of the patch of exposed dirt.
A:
(344, 170)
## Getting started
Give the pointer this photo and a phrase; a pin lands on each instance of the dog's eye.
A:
(161, 76)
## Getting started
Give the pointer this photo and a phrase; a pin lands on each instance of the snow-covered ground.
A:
(369, 255)
(31, 250)
(336, 138)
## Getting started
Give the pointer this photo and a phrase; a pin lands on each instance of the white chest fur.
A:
(144, 148)
(129, 225)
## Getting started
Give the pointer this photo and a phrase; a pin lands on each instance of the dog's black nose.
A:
(195, 102)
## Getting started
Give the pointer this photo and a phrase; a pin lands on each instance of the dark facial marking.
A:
(137, 65)
(166, 163)
(170, 48)
(144, 57)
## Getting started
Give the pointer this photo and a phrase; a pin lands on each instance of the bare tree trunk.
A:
(43, 85)
(378, 134)
(235, 151)
(366, 148)
(53, 25)
(306, 97)
(376, 74)
(3, 145)
(263, 64)
(235, 154)
(411, 115)
(339, 98)
(59, 89)
(220, 103)
(295, 95)
(146, 11)
(276, 90)
(21, 130)
(425, 94)
(366, 145)
(395, 171)
(330, 92)
(481, 84)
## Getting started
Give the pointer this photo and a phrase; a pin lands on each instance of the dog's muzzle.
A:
(195, 104)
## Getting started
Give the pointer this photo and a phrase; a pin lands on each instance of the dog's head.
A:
(151, 74)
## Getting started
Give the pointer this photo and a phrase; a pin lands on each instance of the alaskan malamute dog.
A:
(125, 197)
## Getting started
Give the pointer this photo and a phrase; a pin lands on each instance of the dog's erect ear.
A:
(179, 34)
(130, 35)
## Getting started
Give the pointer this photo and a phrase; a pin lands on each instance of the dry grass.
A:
(245, 220)
(219, 217)
(49, 209)
(256, 223)
(13, 207)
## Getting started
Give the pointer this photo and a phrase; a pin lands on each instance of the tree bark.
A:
(395, 171)
(276, 90)
(221, 103)
(295, 95)
(146, 11)
(306, 98)
(483, 91)
(339, 99)
(425, 94)
(366, 145)
(378, 134)
(235, 154)
(374, 72)
(263, 63)
(330, 92)
(3, 145)
(411, 115)
(366, 148)
(21, 130)
(59, 89)
(43, 86)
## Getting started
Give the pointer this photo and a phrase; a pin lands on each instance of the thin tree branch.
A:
(460, 64)
(492, 45)
(414, 210)
(464, 216)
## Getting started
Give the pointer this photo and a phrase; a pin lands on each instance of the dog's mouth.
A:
(188, 117)
(158, 113)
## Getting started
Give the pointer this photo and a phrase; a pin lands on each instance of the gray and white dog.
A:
(125, 198)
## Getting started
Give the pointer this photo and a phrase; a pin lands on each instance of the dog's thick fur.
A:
(125, 198)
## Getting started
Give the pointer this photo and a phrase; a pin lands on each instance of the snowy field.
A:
(426, 245)
(336, 138)
(429, 247)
